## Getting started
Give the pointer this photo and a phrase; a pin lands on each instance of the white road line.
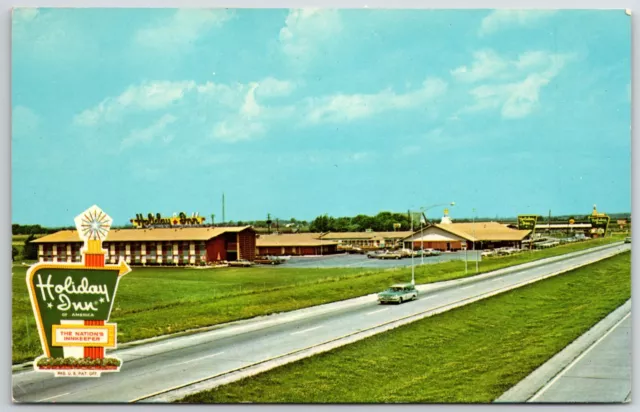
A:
(377, 311)
(197, 359)
(53, 397)
(576, 360)
(306, 330)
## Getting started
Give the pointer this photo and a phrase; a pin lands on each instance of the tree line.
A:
(382, 222)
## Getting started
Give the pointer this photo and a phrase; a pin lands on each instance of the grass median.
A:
(157, 301)
(471, 354)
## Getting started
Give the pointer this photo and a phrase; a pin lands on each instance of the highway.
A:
(601, 374)
(157, 367)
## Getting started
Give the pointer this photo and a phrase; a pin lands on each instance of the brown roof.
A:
(482, 231)
(149, 235)
(367, 235)
(292, 239)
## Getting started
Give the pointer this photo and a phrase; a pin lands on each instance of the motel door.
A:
(448, 246)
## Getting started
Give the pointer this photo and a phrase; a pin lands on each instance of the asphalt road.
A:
(159, 366)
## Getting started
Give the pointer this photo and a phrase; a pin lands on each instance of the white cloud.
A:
(236, 130)
(307, 30)
(150, 133)
(182, 29)
(360, 156)
(251, 120)
(486, 64)
(54, 37)
(347, 107)
(24, 14)
(273, 87)
(517, 99)
(250, 107)
(147, 96)
(502, 19)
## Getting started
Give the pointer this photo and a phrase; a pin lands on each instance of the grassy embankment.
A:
(157, 301)
(471, 354)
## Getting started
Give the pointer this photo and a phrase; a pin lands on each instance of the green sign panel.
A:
(71, 293)
(527, 222)
(600, 223)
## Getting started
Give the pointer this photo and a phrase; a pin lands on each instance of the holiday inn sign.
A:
(72, 303)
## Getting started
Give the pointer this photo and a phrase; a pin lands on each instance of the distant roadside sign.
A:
(600, 223)
(527, 222)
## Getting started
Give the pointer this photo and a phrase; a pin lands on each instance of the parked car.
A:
(407, 252)
(398, 293)
(431, 252)
(375, 253)
(627, 239)
(390, 255)
(268, 260)
(487, 253)
(241, 263)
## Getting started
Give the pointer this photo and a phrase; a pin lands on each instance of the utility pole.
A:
(223, 216)
(413, 267)
(213, 219)
(474, 238)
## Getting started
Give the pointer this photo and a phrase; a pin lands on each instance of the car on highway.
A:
(627, 239)
(398, 293)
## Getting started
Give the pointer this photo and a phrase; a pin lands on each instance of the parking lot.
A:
(362, 261)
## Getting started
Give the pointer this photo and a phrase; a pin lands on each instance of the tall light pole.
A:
(413, 266)
(423, 210)
(474, 237)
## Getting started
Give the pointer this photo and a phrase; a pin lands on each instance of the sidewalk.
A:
(595, 368)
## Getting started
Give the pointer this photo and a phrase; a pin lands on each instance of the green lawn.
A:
(472, 354)
(156, 301)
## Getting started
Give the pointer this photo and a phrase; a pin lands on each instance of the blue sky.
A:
(303, 112)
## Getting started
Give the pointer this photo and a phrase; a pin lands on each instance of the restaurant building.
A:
(458, 236)
(157, 246)
(294, 244)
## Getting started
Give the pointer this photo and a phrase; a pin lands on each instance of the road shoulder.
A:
(527, 388)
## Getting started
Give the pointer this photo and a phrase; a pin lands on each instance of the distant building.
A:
(294, 244)
(157, 246)
(458, 236)
(367, 239)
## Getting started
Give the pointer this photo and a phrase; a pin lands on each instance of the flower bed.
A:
(87, 368)
(79, 363)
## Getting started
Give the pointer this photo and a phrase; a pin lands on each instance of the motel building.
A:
(157, 246)
(367, 239)
(449, 236)
(294, 244)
